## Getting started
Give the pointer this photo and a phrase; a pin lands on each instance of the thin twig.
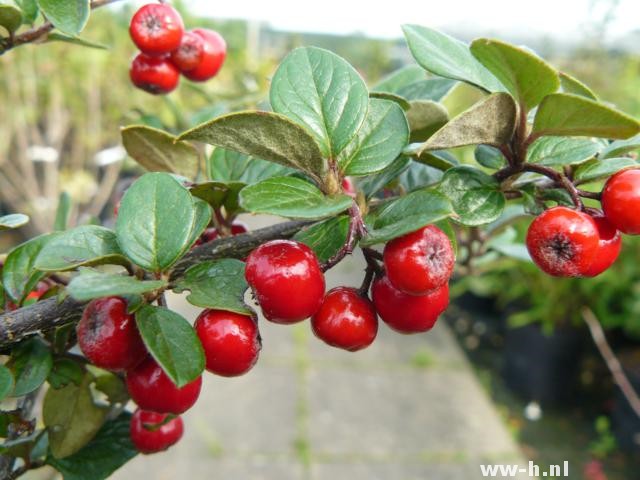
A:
(611, 360)
(356, 231)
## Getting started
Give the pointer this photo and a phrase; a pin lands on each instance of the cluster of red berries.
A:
(166, 50)
(565, 242)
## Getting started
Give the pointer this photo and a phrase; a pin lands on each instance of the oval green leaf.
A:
(559, 151)
(620, 147)
(10, 18)
(14, 220)
(90, 284)
(325, 238)
(433, 89)
(425, 117)
(228, 166)
(597, 169)
(573, 85)
(30, 364)
(489, 157)
(69, 17)
(6, 382)
(19, 275)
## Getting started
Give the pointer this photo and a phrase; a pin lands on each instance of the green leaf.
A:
(83, 42)
(216, 284)
(6, 382)
(155, 221)
(69, 16)
(30, 364)
(558, 151)
(425, 117)
(200, 223)
(489, 157)
(490, 122)
(228, 166)
(19, 274)
(10, 17)
(392, 97)
(562, 114)
(14, 220)
(90, 284)
(291, 197)
(400, 78)
(29, 10)
(378, 143)
(217, 194)
(430, 89)
(64, 372)
(620, 147)
(62, 212)
(440, 159)
(526, 76)
(84, 245)
(111, 385)
(325, 238)
(448, 57)
(71, 417)
(172, 342)
(573, 85)
(107, 452)
(374, 183)
(475, 196)
(321, 91)
(265, 135)
(420, 175)
(158, 151)
(597, 169)
(407, 214)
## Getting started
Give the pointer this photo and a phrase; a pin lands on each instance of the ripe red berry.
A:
(156, 29)
(151, 432)
(108, 336)
(211, 234)
(345, 320)
(420, 261)
(213, 54)
(621, 201)
(286, 279)
(609, 247)
(190, 52)
(153, 390)
(230, 340)
(154, 74)
(406, 313)
(563, 242)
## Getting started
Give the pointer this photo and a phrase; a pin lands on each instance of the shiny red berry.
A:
(153, 390)
(230, 340)
(345, 320)
(151, 432)
(213, 54)
(189, 54)
(621, 201)
(286, 279)
(420, 261)
(153, 74)
(108, 336)
(609, 247)
(406, 313)
(563, 242)
(156, 29)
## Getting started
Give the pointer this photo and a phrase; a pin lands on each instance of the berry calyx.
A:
(621, 201)
(406, 313)
(153, 390)
(156, 29)
(286, 279)
(189, 54)
(152, 432)
(609, 247)
(230, 340)
(563, 242)
(420, 261)
(345, 320)
(214, 52)
(108, 336)
(154, 74)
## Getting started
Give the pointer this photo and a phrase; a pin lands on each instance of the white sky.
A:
(556, 18)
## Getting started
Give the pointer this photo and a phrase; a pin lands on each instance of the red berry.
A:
(420, 261)
(609, 249)
(108, 336)
(150, 434)
(190, 52)
(230, 340)
(406, 313)
(563, 242)
(153, 74)
(621, 201)
(153, 390)
(156, 29)
(213, 54)
(345, 320)
(286, 279)
(348, 187)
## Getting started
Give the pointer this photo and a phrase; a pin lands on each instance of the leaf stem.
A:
(356, 230)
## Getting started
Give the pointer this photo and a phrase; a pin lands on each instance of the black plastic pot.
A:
(541, 367)
(625, 422)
